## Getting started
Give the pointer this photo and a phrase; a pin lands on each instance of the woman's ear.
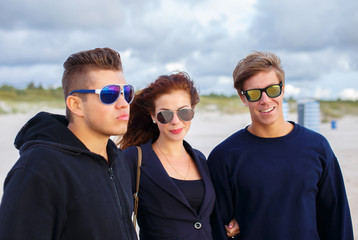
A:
(75, 105)
(153, 119)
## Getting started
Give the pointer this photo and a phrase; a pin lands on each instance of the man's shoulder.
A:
(42, 157)
(309, 136)
(233, 139)
(233, 142)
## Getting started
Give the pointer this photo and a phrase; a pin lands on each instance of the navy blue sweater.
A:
(283, 188)
(58, 189)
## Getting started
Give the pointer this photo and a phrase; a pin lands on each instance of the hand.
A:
(233, 228)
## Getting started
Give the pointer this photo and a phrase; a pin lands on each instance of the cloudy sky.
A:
(317, 40)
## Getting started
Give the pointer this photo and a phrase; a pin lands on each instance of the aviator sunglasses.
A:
(110, 93)
(185, 114)
(254, 95)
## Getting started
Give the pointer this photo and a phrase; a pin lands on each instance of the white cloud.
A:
(291, 91)
(349, 94)
(178, 66)
(225, 80)
(203, 37)
(322, 93)
(234, 15)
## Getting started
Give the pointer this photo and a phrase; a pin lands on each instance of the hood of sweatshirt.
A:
(47, 128)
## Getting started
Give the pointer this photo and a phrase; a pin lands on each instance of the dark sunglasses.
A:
(185, 114)
(254, 95)
(110, 93)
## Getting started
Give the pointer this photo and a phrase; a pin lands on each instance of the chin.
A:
(120, 131)
(179, 139)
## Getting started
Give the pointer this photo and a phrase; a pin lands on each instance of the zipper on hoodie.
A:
(111, 176)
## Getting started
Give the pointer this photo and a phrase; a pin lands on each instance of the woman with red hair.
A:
(176, 193)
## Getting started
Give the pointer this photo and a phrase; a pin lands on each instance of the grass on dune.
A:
(14, 100)
(225, 104)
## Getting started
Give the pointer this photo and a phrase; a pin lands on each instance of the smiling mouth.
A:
(176, 131)
(267, 110)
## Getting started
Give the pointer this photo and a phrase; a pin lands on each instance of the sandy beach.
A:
(210, 128)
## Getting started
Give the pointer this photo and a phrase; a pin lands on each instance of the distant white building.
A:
(285, 110)
(309, 114)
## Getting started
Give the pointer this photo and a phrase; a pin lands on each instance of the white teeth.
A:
(267, 110)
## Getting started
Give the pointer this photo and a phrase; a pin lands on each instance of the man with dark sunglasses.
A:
(279, 180)
(71, 181)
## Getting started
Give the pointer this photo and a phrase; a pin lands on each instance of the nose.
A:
(121, 102)
(175, 119)
(264, 97)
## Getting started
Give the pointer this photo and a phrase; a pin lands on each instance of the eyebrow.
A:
(262, 88)
(185, 106)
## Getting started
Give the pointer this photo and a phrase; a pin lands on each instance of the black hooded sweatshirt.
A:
(58, 189)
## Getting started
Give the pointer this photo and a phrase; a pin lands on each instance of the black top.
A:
(163, 210)
(193, 191)
(58, 189)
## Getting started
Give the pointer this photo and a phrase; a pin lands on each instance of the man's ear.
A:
(243, 99)
(75, 105)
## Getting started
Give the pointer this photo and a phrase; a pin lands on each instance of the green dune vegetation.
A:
(36, 98)
(32, 98)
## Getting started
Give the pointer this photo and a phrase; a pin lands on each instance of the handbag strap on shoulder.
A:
(136, 198)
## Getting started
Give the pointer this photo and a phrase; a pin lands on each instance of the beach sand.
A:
(209, 129)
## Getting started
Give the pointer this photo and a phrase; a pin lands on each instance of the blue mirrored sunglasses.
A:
(110, 93)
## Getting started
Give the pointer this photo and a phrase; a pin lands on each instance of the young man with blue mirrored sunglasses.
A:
(279, 180)
(71, 181)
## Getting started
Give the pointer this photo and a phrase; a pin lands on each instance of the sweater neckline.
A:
(282, 138)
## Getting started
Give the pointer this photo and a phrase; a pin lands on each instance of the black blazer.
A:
(164, 212)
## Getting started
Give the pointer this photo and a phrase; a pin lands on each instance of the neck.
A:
(278, 129)
(171, 148)
(174, 158)
(94, 142)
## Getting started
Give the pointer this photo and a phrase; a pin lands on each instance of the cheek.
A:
(252, 109)
(187, 125)
(161, 127)
(279, 100)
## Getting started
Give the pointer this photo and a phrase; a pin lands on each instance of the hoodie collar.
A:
(47, 128)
